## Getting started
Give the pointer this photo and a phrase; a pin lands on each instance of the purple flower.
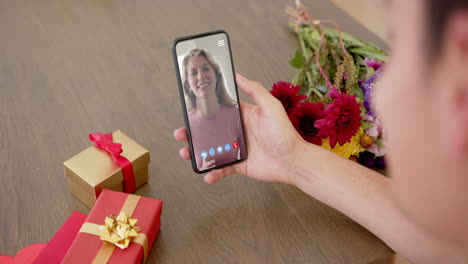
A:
(367, 88)
(369, 160)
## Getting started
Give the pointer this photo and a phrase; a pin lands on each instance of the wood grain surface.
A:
(373, 14)
(69, 68)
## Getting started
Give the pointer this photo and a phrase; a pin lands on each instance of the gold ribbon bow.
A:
(119, 230)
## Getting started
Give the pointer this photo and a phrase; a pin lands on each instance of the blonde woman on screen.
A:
(212, 112)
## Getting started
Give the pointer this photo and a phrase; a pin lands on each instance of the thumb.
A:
(259, 94)
(210, 163)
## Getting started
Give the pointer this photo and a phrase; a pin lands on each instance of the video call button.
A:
(219, 149)
(227, 147)
(212, 152)
(204, 154)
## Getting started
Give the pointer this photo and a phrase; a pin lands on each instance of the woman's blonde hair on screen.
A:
(222, 93)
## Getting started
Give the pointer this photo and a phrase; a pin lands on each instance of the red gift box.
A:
(55, 250)
(25, 256)
(58, 246)
(88, 246)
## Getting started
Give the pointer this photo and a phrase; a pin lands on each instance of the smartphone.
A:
(210, 100)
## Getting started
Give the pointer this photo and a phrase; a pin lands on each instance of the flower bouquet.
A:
(329, 100)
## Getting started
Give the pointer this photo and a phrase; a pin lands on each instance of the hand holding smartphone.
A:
(210, 101)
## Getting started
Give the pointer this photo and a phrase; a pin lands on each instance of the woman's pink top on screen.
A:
(217, 132)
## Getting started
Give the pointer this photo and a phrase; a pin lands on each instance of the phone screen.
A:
(210, 100)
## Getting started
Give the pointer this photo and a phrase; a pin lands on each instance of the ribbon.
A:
(108, 247)
(106, 142)
(119, 230)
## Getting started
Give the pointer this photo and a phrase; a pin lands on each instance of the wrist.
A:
(298, 161)
(306, 163)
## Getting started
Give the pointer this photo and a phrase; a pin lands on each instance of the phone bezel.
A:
(184, 107)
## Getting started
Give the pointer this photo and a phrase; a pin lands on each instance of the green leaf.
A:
(299, 78)
(297, 61)
(379, 143)
(369, 53)
(359, 61)
(363, 111)
(370, 72)
(352, 41)
(356, 90)
(366, 125)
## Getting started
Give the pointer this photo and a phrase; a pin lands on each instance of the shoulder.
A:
(230, 109)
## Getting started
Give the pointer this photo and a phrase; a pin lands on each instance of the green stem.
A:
(305, 52)
(295, 80)
(311, 87)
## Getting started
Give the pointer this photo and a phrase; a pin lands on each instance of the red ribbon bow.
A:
(106, 142)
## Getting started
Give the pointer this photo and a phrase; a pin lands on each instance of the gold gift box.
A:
(93, 169)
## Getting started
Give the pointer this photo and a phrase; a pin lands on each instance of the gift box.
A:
(114, 162)
(58, 246)
(121, 228)
(25, 256)
(54, 251)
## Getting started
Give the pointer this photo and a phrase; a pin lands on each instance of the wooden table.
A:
(373, 14)
(68, 68)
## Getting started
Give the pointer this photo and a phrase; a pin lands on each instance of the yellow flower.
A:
(349, 149)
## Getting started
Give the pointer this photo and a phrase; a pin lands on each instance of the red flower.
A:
(287, 93)
(303, 118)
(342, 119)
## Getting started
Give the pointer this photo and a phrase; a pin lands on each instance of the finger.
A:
(216, 175)
(259, 94)
(246, 109)
(210, 164)
(245, 106)
(184, 153)
(180, 134)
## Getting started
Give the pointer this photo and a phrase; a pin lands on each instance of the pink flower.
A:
(287, 93)
(373, 63)
(342, 119)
